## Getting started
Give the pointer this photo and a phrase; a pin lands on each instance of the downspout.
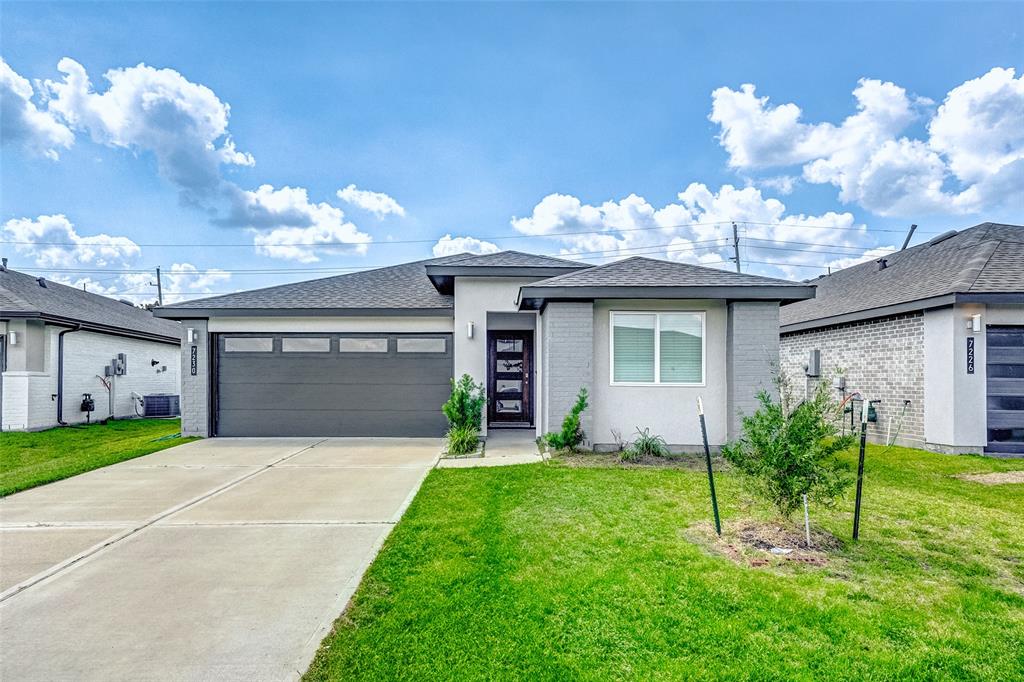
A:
(60, 373)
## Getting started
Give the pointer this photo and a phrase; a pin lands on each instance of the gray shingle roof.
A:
(397, 287)
(987, 258)
(21, 296)
(649, 272)
(513, 259)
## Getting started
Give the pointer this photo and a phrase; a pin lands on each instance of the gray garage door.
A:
(332, 384)
(1005, 389)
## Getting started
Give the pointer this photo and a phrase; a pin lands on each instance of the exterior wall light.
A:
(14, 338)
(470, 328)
(191, 335)
(974, 323)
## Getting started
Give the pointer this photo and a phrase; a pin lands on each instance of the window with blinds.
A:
(657, 348)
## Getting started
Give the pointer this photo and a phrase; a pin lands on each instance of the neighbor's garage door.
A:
(332, 385)
(1005, 348)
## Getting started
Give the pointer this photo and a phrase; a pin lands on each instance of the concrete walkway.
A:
(223, 559)
(503, 447)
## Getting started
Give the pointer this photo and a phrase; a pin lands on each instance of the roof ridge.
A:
(974, 266)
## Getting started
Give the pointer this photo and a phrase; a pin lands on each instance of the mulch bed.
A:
(750, 543)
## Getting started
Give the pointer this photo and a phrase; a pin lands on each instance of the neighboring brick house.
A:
(372, 353)
(55, 343)
(934, 332)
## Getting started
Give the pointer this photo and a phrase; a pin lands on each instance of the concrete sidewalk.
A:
(222, 559)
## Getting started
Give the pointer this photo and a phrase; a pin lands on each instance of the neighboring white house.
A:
(935, 333)
(58, 343)
(372, 353)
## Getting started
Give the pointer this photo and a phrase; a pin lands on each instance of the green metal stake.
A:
(860, 466)
(707, 458)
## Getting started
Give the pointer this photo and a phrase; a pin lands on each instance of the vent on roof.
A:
(126, 302)
(941, 238)
(882, 263)
(41, 281)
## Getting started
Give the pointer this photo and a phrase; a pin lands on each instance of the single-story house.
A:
(59, 343)
(372, 353)
(934, 333)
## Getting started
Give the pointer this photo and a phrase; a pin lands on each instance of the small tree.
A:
(786, 454)
(571, 435)
(465, 406)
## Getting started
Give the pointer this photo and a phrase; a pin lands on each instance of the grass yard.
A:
(581, 571)
(31, 459)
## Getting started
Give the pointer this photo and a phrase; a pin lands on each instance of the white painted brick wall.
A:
(568, 330)
(195, 390)
(881, 358)
(29, 402)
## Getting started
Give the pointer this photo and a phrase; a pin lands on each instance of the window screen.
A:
(634, 347)
(658, 348)
(681, 348)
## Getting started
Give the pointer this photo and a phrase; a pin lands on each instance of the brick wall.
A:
(568, 330)
(752, 354)
(195, 390)
(882, 359)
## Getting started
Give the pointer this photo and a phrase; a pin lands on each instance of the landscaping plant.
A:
(571, 435)
(646, 445)
(464, 411)
(786, 454)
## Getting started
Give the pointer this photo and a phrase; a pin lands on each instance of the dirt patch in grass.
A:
(761, 544)
(994, 478)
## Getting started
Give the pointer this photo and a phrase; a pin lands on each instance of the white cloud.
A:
(697, 228)
(377, 203)
(970, 161)
(449, 246)
(52, 242)
(183, 124)
(23, 123)
(305, 229)
(100, 251)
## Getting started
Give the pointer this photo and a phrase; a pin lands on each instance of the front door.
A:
(509, 377)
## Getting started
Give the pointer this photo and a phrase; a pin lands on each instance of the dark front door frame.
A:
(525, 417)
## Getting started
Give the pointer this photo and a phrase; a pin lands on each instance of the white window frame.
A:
(657, 348)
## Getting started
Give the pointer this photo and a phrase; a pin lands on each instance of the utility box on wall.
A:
(814, 363)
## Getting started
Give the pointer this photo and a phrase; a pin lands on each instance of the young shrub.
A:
(465, 407)
(571, 435)
(787, 454)
(462, 440)
(646, 445)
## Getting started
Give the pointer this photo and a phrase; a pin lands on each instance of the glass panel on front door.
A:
(509, 377)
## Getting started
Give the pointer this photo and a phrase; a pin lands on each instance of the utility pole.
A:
(736, 246)
(159, 287)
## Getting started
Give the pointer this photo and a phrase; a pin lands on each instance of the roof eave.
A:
(90, 326)
(534, 297)
(930, 303)
(205, 313)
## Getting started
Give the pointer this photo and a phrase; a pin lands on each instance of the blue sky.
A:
(468, 116)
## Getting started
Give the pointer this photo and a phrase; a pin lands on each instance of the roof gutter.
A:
(90, 326)
(535, 297)
(172, 313)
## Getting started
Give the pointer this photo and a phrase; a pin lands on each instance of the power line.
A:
(607, 230)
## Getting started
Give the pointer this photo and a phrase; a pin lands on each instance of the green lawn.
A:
(31, 459)
(596, 572)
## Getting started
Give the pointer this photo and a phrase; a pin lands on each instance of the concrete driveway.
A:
(220, 559)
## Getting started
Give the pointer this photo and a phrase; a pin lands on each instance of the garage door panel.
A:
(332, 424)
(343, 397)
(275, 393)
(353, 370)
(1005, 377)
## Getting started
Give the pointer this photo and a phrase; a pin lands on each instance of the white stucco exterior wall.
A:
(669, 411)
(955, 417)
(474, 298)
